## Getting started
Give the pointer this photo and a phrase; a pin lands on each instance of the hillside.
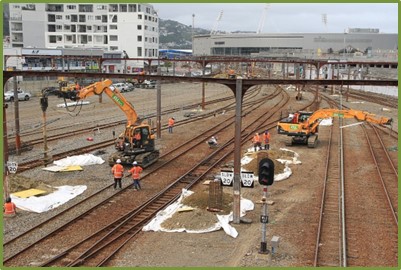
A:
(175, 35)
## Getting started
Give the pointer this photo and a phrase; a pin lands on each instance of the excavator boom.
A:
(98, 88)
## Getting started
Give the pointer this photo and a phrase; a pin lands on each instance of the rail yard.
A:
(103, 226)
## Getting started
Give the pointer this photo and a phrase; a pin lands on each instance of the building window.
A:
(51, 18)
(59, 38)
(67, 17)
(123, 7)
(89, 38)
(59, 17)
(59, 27)
(146, 39)
(90, 17)
(101, 7)
(98, 18)
(139, 38)
(85, 8)
(146, 17)
(113, 38)
(219, 43)
(113, 8)
(52, 39)
(89, 27)
(131, 8)
(68, 38)
(114, 48)
(139, 51)
(67, 27)
(71, 7)
(113, 27)
(139, 16)
(139, 27)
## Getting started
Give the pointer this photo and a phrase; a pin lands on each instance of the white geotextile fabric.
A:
(81, 160)
(45, 203)
(77, 103)
(223, 220)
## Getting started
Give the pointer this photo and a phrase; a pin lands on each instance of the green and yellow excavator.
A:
(129, 147)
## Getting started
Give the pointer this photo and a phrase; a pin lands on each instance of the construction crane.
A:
(216, 24)
(262, 19)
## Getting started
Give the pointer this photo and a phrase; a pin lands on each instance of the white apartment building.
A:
(129, 27)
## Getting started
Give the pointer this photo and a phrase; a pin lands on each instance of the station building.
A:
(361, 40)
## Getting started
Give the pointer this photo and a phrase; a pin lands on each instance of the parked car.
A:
(123, 87)
(22, 95)
(149, 84)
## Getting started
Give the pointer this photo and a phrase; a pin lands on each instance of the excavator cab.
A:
(136, 143)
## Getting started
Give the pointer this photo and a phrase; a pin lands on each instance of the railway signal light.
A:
(266, 172)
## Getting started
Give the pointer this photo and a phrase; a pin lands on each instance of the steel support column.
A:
(237, 153)
(159, 106)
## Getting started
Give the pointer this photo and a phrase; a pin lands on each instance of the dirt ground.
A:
(291, 212)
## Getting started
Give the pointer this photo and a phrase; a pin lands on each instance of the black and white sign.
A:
(12, 166)
(227, 178)
(247, 179)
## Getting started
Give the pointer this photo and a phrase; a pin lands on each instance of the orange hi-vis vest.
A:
(9, 208)
(256, 139)
(171, 122)
(266, 137)
(136, 171)
(117, 170)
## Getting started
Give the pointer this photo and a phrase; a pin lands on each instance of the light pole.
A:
(125, 56)
(344, 44)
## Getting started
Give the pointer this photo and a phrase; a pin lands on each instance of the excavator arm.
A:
(98, 88)
(319, 115)
(305, 124)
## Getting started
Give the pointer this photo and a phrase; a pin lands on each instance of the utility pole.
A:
(5, 145)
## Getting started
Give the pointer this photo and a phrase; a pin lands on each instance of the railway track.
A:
(201, 141)
(328, 248)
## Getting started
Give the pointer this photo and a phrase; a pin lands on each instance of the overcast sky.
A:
(284, 18)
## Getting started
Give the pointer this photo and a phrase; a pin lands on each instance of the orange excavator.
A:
(137, 142)
(302, 127)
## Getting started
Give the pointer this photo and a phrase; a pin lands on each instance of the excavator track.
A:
(143, 159)
(312, 141)
(288, 141)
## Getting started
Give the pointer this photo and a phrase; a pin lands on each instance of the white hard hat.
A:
(135, 163)
(118, 160)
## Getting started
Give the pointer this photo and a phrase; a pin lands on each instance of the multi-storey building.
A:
(133, 28)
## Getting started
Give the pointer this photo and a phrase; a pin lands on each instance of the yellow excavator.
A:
(137, 142)
(65, 85)
(302, 127)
